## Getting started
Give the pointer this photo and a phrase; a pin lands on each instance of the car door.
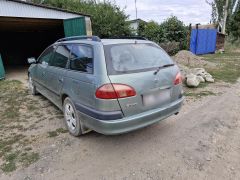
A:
(40, 78)
(80, 83)
(56, 72)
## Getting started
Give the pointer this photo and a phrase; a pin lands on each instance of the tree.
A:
(153, 31)
(234, 26)
(170, 30)
(174, 29)
(219, 9)
(107, 18)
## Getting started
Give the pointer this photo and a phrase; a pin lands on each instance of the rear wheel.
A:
(71, 117)
(31, 86)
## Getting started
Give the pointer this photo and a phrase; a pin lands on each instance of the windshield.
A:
(130, 58)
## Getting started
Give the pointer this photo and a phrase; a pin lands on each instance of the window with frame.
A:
(46, 55)
(61, 56)
(81, 58)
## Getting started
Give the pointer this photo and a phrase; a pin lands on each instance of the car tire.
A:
(31, 86)
(71, 118)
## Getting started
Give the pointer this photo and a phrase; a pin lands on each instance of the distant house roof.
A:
(17, 8)
(137, 20)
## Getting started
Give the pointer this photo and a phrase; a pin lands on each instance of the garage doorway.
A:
(21, 38)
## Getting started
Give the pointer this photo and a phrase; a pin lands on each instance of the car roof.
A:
(123, 41)
(105, 41)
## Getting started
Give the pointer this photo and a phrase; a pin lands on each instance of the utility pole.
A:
(225, 17)
(136, 8)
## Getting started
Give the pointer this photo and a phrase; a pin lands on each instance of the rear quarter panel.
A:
(81, 87)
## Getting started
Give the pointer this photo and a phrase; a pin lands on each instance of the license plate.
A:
(160, 97)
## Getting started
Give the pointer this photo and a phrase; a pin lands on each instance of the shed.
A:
(203, 39)
(26, 29)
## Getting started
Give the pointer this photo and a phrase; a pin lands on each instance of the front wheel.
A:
(31, 86)
(71, 118)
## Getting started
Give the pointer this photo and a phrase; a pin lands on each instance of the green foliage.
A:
(234, 26)
(153, 31)
(199, 94)
(175, 31)
(107, 18)
(228, 65)
(218, 10)
(171, 30)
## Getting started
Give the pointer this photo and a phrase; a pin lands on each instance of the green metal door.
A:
(2, 71)
(74, 27)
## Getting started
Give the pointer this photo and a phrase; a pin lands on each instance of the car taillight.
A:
(114, 91)
(178, 79)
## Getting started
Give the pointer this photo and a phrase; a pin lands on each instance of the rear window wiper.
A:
(161, 67)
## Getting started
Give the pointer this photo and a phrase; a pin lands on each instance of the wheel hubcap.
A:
(70, 116)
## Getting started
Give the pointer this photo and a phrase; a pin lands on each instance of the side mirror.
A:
(32, 60)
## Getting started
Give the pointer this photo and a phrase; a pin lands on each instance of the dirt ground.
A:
(17, 73)
(202, 142)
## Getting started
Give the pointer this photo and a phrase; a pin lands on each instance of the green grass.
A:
(10, 162)
(12, 95)
(199, 94)
(11, 159)
(14, 149)
(27, 159)
(9, 167)
(52, 134)
(32, 107)
(9, 142)
(57, 132)
(61, 130)
(228, 66)
(28, 149)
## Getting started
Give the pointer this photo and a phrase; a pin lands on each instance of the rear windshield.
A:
(131, 58)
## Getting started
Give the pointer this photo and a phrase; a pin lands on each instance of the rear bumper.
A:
(119, 126)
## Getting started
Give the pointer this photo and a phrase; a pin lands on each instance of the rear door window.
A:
(81, 58)
(61, 56)
(130, 58)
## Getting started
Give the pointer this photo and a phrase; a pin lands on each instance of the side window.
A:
(81, 58)
(46, 55)
(61, 56)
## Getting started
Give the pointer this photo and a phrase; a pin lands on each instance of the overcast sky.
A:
(189, 11)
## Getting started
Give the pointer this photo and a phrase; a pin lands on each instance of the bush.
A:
(153, 32)
(171, 47)
(175, 31)
(171, 30)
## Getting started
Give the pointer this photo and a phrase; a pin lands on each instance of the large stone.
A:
(209, 75)
(192, 80)
(209, 79)
(199, 72)
(200, 79)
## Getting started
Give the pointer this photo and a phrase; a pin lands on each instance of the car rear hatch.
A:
(148, 70)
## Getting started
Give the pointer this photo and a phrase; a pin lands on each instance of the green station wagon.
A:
(111, 86)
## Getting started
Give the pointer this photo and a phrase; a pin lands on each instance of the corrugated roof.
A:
(48, 7)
